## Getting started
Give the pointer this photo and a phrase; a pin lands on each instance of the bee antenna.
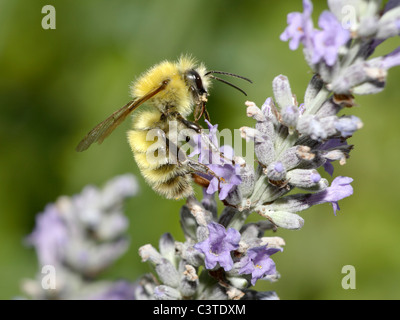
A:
(228, 83)
(229, 74)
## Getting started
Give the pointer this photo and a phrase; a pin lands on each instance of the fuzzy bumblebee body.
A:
(165, 176)
(172, 91)
(168, 179)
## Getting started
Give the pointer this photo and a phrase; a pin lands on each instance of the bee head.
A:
(196, 86)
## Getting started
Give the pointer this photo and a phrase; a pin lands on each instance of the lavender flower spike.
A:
(218, 246)
(80, 236)
(258, 263)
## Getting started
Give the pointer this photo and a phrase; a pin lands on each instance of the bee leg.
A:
(198, 112)
(198, 167)
(189, 124)
(206, 115)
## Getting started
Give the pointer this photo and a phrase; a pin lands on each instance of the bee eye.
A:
(194, 80)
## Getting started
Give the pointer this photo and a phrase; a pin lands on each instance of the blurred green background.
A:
(55, 85)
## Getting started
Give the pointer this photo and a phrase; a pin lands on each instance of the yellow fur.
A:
(177, 92)
(170, 180)
(143, 119)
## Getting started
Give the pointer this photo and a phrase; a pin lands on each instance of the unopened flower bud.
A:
(276, 171)
(348, 125)
(290, 157)
(238, 282)
(189, 281)
(167, 246)
(251, 134)
(388, 25)
(303, 178)
(282, 219)
(202, 216)
(282, 92)
(329, 108)
(265, 151)
(188, 223)
(313, 89)
(192, 256)
(167, 273)
(149, 253)
(290, 115)
(254, 112)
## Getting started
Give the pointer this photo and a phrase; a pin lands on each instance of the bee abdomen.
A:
(170, 180)
(163, 173)
(177, 187)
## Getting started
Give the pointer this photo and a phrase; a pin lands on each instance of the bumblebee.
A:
(172, 92)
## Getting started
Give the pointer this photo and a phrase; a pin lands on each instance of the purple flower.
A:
(50, 236)
(258, 263)
(218, 246)
(339, 189)
(300, 26)
(231, 178)
(326, 43)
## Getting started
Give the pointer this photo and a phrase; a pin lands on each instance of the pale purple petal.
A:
(213, 130)
(213, 186)
(50, 236)
(392, 59)
(326, 42)
(339, 189)
(299, 27)
(195, 141)
(218, 246)
(228, 151)
(231, 178)
(225, 190)
(258, 263)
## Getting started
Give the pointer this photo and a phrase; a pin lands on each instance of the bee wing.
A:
(103, 129)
